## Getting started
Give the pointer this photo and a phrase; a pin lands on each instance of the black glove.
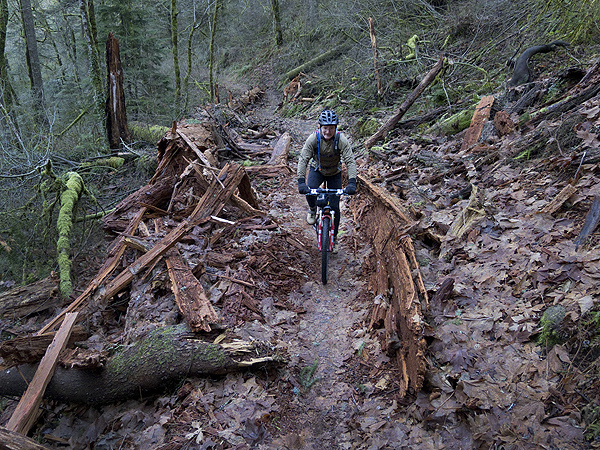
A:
(302, 186)
(351, 188)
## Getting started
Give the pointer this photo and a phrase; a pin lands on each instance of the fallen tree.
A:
(400, 293)
(165, 357)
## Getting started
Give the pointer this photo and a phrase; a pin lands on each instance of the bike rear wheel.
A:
(325, 241)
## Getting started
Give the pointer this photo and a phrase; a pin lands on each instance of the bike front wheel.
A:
(325, 242)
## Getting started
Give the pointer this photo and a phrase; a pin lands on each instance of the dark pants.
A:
(314, 180)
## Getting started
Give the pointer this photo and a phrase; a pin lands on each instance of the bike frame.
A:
(324, 210)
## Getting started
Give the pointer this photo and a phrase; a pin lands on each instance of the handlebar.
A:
(318, 191)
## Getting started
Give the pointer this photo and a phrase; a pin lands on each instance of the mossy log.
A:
(453, 124)
(161, 360)
(64, 223)
(323, 57)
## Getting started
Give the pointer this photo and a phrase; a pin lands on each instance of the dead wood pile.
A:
(192, 246)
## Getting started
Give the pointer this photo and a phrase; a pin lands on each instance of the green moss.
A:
(64, 224)
(550, 323)
(147, 133)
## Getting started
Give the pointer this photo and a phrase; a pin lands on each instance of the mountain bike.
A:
(324, 225)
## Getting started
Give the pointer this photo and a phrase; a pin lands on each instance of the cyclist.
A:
(323, 154)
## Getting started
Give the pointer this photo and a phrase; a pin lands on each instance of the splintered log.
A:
(11, 440)
(397, 283)
(281, 149)
(590, 224)
(155, 363)
(391, 123)
(27, 410)
(480, 116)
(189, 294)
(36, 297)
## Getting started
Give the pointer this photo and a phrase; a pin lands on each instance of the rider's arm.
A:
(305, 155)
(347, 156)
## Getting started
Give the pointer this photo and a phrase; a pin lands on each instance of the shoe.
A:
(335, 246)
(311, 217)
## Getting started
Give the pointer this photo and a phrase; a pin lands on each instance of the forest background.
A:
(179, 54)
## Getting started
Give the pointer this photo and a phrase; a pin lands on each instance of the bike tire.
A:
(325, 248)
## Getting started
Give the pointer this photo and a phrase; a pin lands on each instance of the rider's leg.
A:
(335, 182)
(314, 180)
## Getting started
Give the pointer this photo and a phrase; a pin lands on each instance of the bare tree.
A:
(211, 51)
(277, 22)
(32, 56)
(176, 70)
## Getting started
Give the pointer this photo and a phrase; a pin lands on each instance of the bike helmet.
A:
(328, 117)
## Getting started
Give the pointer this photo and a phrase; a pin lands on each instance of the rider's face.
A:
(327, 131)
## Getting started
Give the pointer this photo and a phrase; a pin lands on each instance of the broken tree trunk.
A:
(116, 115)
(375, 55)
(391, 123)
(24, 300)
(164, 358)
(398, 284)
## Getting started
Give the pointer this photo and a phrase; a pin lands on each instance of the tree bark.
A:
(32, 56)
(175, 51)
(375, 55)
(276, 10)
(391, 123)
(7, 95)
(116, 115)
(399, 284)
(88, 24)
(211, 50)
(167, 356)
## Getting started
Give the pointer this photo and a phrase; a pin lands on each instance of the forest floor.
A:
(489, 384)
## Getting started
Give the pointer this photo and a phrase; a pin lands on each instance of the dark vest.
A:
(327, 155)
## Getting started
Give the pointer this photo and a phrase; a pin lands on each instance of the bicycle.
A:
(324, 225)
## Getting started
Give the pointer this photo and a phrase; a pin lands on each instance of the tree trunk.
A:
(167, 356)
(7, 95)
(323, 57)
(277, 22)
(116, 116)
(211, 50)
(177, 72)
(32, 56)
(88, 24)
